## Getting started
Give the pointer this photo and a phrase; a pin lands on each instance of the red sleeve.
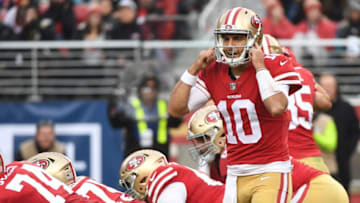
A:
(75, 198)
(302, 174)
(282, 71)
(204, 79)
(159, 179)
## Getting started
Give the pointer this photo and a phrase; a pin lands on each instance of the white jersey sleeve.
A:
(198, 97)
(167, 194)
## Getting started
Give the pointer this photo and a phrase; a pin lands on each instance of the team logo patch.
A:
(135, 162)
(232, 86)
(212, 117)
(255, 21)
(43, 163)
(228, 26)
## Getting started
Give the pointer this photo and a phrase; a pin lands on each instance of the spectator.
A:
(15, 17)
(316, 26)
(91, 30)
(125, 26)
(293, 10)
(315, 22)
(334, 9)
(350, 29)
(154, 28)
(45, 141)
(276, 23)
(62, 16)
(347, 125)
(107, 16)
(36, 29)
(146, 119)
(6, 33)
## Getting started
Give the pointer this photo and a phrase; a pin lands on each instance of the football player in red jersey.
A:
(206, 131)
(250, 90)
(301, 105)
(60, 167)
(26, 182)
(308, 183)
(146, 174)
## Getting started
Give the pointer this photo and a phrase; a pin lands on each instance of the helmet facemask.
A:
(237, 21)
(203, 145)
(128, 183)
(136, 170)
(232, 60)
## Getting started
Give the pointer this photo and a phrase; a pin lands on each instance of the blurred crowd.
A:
(314, 19)
(95, 19)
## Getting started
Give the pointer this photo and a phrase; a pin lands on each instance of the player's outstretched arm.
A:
(179, 98)
(274, 99)
(322, 100)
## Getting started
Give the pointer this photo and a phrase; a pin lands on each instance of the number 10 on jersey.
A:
(252, 119)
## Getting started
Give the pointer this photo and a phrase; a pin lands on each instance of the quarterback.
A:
(250, 90)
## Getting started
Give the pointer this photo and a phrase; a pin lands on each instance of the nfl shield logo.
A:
(232, 86)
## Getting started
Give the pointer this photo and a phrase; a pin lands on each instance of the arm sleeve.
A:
(327, 140)
(198, 97)
(174, 193)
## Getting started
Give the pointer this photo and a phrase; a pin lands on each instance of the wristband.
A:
(188, 79)
(266, 83)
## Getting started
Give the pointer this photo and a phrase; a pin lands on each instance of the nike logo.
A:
(283, 62)
(152, 177)
(263, 178)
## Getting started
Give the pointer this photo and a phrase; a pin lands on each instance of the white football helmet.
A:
(136, 169)
(237, 21)
(57, 165)
(205, 130)
(2, 167)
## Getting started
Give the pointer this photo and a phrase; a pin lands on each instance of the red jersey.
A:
(24, 182)
(301, 140)
(302, 174)
(93, 190)
(253, 135)
(199, 187)
(218, 168)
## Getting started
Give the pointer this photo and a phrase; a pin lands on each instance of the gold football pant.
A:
(266, 187)
(322, 188)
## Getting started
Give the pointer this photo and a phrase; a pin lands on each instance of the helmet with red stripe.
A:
(136, 169)
(205, 130)
(237, 21)
(57, 165)
(270, 45)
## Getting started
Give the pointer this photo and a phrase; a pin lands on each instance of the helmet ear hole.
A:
(143, 180)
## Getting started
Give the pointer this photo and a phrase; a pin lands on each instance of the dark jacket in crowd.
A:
(347, 125)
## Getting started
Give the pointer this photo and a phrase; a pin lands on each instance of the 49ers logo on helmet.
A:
(135, 162)
(228, 26)
(212, 117)
(255, 21)
(43, 163)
